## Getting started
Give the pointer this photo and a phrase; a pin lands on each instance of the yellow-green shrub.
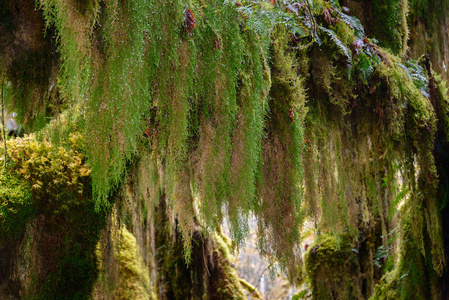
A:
(56, 174)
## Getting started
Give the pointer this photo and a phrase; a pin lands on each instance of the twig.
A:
(4, 125)
(312, 19)
(205, 260)
(260, 278)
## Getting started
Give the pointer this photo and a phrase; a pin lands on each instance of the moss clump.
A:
(56, 175)
(331, 266)
(228, 284)
(134, 282)
(16, 206)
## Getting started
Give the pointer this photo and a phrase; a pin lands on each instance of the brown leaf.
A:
(291, 114)
(217, 43)
(189, 19)
(328, 17)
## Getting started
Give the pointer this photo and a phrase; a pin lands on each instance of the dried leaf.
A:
(189, 19)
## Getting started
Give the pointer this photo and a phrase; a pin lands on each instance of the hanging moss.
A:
(280, 192)
(236, 123)
(394, 30)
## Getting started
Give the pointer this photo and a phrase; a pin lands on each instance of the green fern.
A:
(417, 73)
(263, 16)
(342, 47)
(354, 23)
(366, 65)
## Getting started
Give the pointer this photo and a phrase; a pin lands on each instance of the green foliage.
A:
(353, 22)
(342, 47)
(53, 183)
(263, 16)
(243, 115)
(417, 73)
(55, 174)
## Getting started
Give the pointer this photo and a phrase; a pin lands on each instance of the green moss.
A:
(392, 32)
(56, 175)
(413, 275)
(228, 283)
(240, 124)
(251, 289)
(50, 185)
(16, 206)
(331, 266)
(134, 282)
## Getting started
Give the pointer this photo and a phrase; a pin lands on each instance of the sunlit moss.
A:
(134, 282)
(15, 205)
(330, 255)
(228, 283)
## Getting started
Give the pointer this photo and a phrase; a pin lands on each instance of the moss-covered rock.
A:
(332, 268)
(134, 281)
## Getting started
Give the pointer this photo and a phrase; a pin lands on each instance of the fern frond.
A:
(343, 49)
(417, 73)
(366, 66)
(354, 23)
